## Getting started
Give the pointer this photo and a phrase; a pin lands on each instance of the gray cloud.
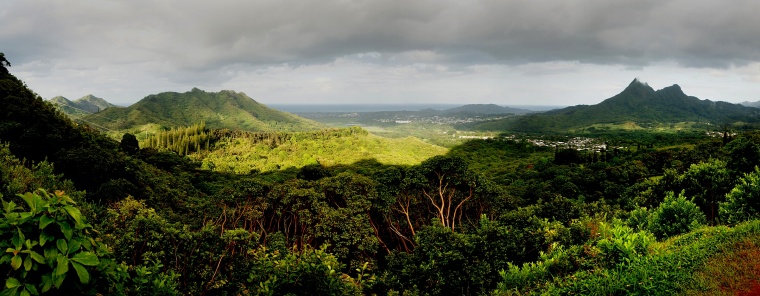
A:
(202, 34)
(177, 43)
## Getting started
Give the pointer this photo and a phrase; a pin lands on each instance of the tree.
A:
(743, 202)
(743, 155)
(129, 144)
(5, 62)
(447, 184)
(707, 182)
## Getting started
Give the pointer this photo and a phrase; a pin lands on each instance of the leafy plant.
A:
(743, 202)
(47, 242)
(675, 215)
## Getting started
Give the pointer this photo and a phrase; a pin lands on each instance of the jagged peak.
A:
(638, 87)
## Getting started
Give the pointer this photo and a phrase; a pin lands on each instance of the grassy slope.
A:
(709, 261)
(243, 155)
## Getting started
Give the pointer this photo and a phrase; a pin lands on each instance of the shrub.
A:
(49, 246)
(675, 215)
(743, 202)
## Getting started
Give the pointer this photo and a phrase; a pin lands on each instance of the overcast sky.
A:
(506, 52)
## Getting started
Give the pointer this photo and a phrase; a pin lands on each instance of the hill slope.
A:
(638, 103)
(224, 109)
(485, 109)
(84, 105)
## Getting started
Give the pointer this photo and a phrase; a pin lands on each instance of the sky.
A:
(505, 52)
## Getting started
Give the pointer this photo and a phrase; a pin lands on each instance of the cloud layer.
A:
(144, 46)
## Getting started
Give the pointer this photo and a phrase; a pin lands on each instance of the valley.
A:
(214, 193)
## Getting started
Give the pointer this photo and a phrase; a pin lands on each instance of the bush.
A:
(308, 271)
(675, 215)
(50, 247)
(743, 202)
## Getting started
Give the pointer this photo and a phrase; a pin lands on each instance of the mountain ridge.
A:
(637, 103)
(84, 105)
(219, 110)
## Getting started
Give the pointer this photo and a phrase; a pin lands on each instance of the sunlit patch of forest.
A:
(245, 152)
(195, 211)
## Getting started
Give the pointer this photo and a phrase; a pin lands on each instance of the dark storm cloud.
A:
(202, 34)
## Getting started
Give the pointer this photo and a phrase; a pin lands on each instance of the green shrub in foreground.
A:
(743, 202)
(675, 215)
(48, 246)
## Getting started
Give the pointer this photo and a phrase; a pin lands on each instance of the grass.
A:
(735, 272)
(717, 260)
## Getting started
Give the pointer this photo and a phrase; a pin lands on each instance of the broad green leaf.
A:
(47, 282)
(25, 293)
(51, 254)
(86, 258)
(84, 276)
(58, 280)
(63, 247)
(18, 240)
(37, 257)
(74, 213)
(74, 245)
(45, 220)
(29, 199)
(16, 262)
(62, 266)
(28, 263)
(66, 229)
(44, 238)
(32, 289)
(11, 283)
(5, 258)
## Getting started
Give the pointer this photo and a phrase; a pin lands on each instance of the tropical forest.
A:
(651, 192)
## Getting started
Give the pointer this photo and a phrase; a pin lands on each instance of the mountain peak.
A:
(638, 88)
(675, 88)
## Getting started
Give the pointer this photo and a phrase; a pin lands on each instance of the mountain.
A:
(751, 104)
(84, 105)
(638, 104)
(485, 109)
(224, 109)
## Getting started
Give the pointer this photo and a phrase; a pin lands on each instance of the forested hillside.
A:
(85, 214)
(637, 105)
(83, 106)
(224, 109)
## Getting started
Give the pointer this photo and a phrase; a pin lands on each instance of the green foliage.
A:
(129, 144)
(622, 244)
(182, 141)
(707, 183)
(743, 202)
(610, 246)
(242, 153)
(49, 246)
(296, 272)
(675, 215)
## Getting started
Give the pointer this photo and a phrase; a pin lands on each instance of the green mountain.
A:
(485, 109)
(638, 104)
(82, 106)
(219, 110)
